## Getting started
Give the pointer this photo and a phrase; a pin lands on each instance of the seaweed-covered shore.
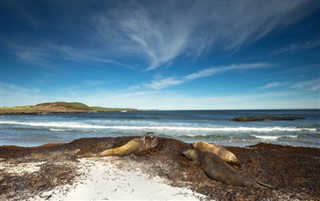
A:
(294, 171)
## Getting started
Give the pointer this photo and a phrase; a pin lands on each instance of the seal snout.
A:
(190, 154)
(185, 153)
(154, 141)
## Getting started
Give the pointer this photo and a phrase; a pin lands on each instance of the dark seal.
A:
(217, 169)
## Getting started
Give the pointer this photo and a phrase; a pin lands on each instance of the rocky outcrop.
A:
(265, 118)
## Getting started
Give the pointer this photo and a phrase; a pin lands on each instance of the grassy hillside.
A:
(58, 107)
(65, 105)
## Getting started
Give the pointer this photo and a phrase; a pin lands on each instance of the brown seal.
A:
(133, 146)
(219, 150)
(219, 170)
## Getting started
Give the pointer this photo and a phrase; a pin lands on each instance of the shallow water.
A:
(189, 126)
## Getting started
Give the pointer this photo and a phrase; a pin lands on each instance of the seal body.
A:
(217, 169)
(133, 146)
(219, 150)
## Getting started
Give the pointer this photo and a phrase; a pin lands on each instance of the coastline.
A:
(59, 108)
(293, 170)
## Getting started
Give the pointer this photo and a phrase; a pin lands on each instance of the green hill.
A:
(59, 107)
(64, 105)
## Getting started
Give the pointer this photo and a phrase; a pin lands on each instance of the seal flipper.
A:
(261, 184)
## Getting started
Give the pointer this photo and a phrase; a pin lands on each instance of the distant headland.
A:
(60, 107)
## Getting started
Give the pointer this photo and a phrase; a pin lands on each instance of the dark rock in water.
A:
(295, 171)
(265, 118)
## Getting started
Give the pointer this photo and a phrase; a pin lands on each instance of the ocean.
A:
(213, 126)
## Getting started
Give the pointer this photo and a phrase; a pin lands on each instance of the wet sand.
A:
(50, 171)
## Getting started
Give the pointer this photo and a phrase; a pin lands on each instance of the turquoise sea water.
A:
(189, 126)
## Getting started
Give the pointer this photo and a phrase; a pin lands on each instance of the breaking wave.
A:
(59, 127)
(269, 137)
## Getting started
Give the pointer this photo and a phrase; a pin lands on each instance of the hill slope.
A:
(58, 107)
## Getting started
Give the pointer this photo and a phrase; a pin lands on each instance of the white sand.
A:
(116, 179)
(21, 168)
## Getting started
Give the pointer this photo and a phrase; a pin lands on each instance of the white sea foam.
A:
(291, 136)
(268, 137)
(54, 124)
(79, 125)
(58, 130)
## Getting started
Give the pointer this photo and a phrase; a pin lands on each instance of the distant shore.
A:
(50, 171)
(59, 107)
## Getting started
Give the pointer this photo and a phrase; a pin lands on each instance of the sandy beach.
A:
(65, 172)
(111, 178)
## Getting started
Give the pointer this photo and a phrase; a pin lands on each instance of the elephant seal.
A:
(217, 169)
(133, 146)
(219, 150)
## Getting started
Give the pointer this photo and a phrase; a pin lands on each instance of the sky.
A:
(167, 55)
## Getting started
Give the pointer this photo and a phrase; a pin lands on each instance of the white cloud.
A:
(272, 85)
(311, 85)
(173, 81)
(159, 32)
(308, 85)
(47, 54)
(296, 47)
(215, 70)
(164, 83)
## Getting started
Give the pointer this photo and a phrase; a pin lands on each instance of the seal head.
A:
(149, 141)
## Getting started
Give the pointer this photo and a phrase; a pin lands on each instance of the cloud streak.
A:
(272, 85)
(159, 32)
(153, 34)
(173, 81)
(307, 85)
(296, 47)
(47, 54)
(311, 85)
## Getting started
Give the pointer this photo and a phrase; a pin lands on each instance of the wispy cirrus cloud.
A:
(47, 54)
(272, 85)
(311, 85)
(155, 33)
(173, 81)
(308, 85)
(296, 47)
(159, 32)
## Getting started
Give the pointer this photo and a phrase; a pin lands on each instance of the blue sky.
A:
(162, 54)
